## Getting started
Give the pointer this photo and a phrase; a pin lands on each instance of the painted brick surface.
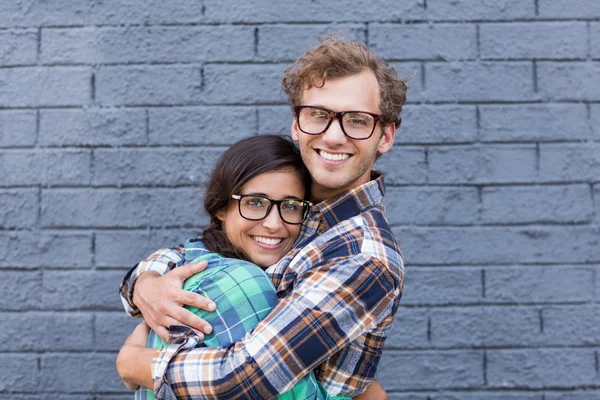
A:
(113, 113)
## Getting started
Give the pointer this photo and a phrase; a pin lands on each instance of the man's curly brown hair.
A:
(337, 58)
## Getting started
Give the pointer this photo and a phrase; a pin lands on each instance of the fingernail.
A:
(212, 306)
(200, 335)
(207, 329)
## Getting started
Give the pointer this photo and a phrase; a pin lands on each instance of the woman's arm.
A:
(134, 360)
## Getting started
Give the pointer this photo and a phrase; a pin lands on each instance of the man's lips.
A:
(332, 157)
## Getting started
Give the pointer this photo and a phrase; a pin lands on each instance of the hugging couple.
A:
(291, 290)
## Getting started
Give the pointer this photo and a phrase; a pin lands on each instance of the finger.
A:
(188, 318)
(195, 300)
(185, 271)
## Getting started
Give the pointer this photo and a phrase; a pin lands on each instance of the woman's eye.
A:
(290, 206)
(255, 202)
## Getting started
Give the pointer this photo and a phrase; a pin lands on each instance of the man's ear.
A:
(387, 139)
(295, 130)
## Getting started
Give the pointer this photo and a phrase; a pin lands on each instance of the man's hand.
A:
(161, 300)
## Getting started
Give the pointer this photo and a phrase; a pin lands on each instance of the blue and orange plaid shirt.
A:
(338, 291)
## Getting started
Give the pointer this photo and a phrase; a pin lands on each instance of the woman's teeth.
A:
(266, 240)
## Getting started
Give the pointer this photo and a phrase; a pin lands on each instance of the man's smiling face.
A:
(336, 162)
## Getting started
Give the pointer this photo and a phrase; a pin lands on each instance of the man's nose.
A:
(334, 135)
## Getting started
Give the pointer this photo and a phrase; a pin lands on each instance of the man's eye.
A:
(319, 115)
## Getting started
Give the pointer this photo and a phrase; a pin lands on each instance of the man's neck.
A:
(320, 193)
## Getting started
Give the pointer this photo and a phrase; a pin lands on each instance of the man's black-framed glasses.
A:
(358, 125)
(255, 207)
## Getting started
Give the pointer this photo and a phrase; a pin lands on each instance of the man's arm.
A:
(331, 305)
(148, 290)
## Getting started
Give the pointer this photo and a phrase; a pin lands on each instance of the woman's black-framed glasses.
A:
(255, 207)
(358, 125)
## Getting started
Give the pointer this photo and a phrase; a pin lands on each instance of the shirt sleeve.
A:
(332, 305)
(161, 262)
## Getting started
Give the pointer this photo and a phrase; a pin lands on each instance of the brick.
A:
(17, 128)
(92, 127)
(471, 395)
(482, 164)
(413, 75)
(531, 40)
(111, 330)
(445, 41)
(509, 123)
(432, 206)
(409, 330)
(147, 44)
(36, 250)
(569, 80)
(40, 167)
(123, 249)
(540, 284)
(121, 208)
(486, 81)
(81, 290)
(464, 245)
(308, 11)
(288, 42)
(462, 10)
(573, 9)
(570, 162)
(36, 331)
(19, 208)
(580, 394)
(20, 290)
(154, 166)
(572, 325)
(19, 372)
(82, 12)
(540, 368)
(201, 125)
(149, 85)
(403, 165)
(596, 193)
(437, 124)
(275, 119)
(18, 47)
(408, 370)
(243, 84)
(537, 204)
(440, 286)
(595, 120)
(484, 326)
(80, 373)
(595, 40)
(37, 86)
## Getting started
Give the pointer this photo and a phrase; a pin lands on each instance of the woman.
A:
(255, 202)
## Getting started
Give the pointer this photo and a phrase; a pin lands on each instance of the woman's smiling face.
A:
(265, 241)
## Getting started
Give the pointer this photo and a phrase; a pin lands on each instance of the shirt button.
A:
(249, 359)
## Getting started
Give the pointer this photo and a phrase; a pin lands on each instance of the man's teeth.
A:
(266, 240)
(333, 157)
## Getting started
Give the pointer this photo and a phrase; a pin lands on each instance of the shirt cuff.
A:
(180, 338)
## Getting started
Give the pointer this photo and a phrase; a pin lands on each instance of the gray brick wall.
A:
(113, 112)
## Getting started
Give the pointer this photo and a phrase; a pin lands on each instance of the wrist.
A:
(141, 278)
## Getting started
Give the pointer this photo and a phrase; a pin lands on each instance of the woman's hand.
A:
(128, 355)
(374, 392)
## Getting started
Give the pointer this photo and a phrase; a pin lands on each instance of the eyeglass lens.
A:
(357, 125)
(257, 207)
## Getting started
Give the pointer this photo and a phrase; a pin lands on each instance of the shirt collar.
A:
(351, 203)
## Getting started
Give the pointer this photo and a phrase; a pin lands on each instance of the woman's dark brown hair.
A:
(243, 161)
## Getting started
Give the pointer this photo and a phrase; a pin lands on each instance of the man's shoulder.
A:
(365, 234)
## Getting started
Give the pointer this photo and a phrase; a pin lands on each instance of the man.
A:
(340, 286)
